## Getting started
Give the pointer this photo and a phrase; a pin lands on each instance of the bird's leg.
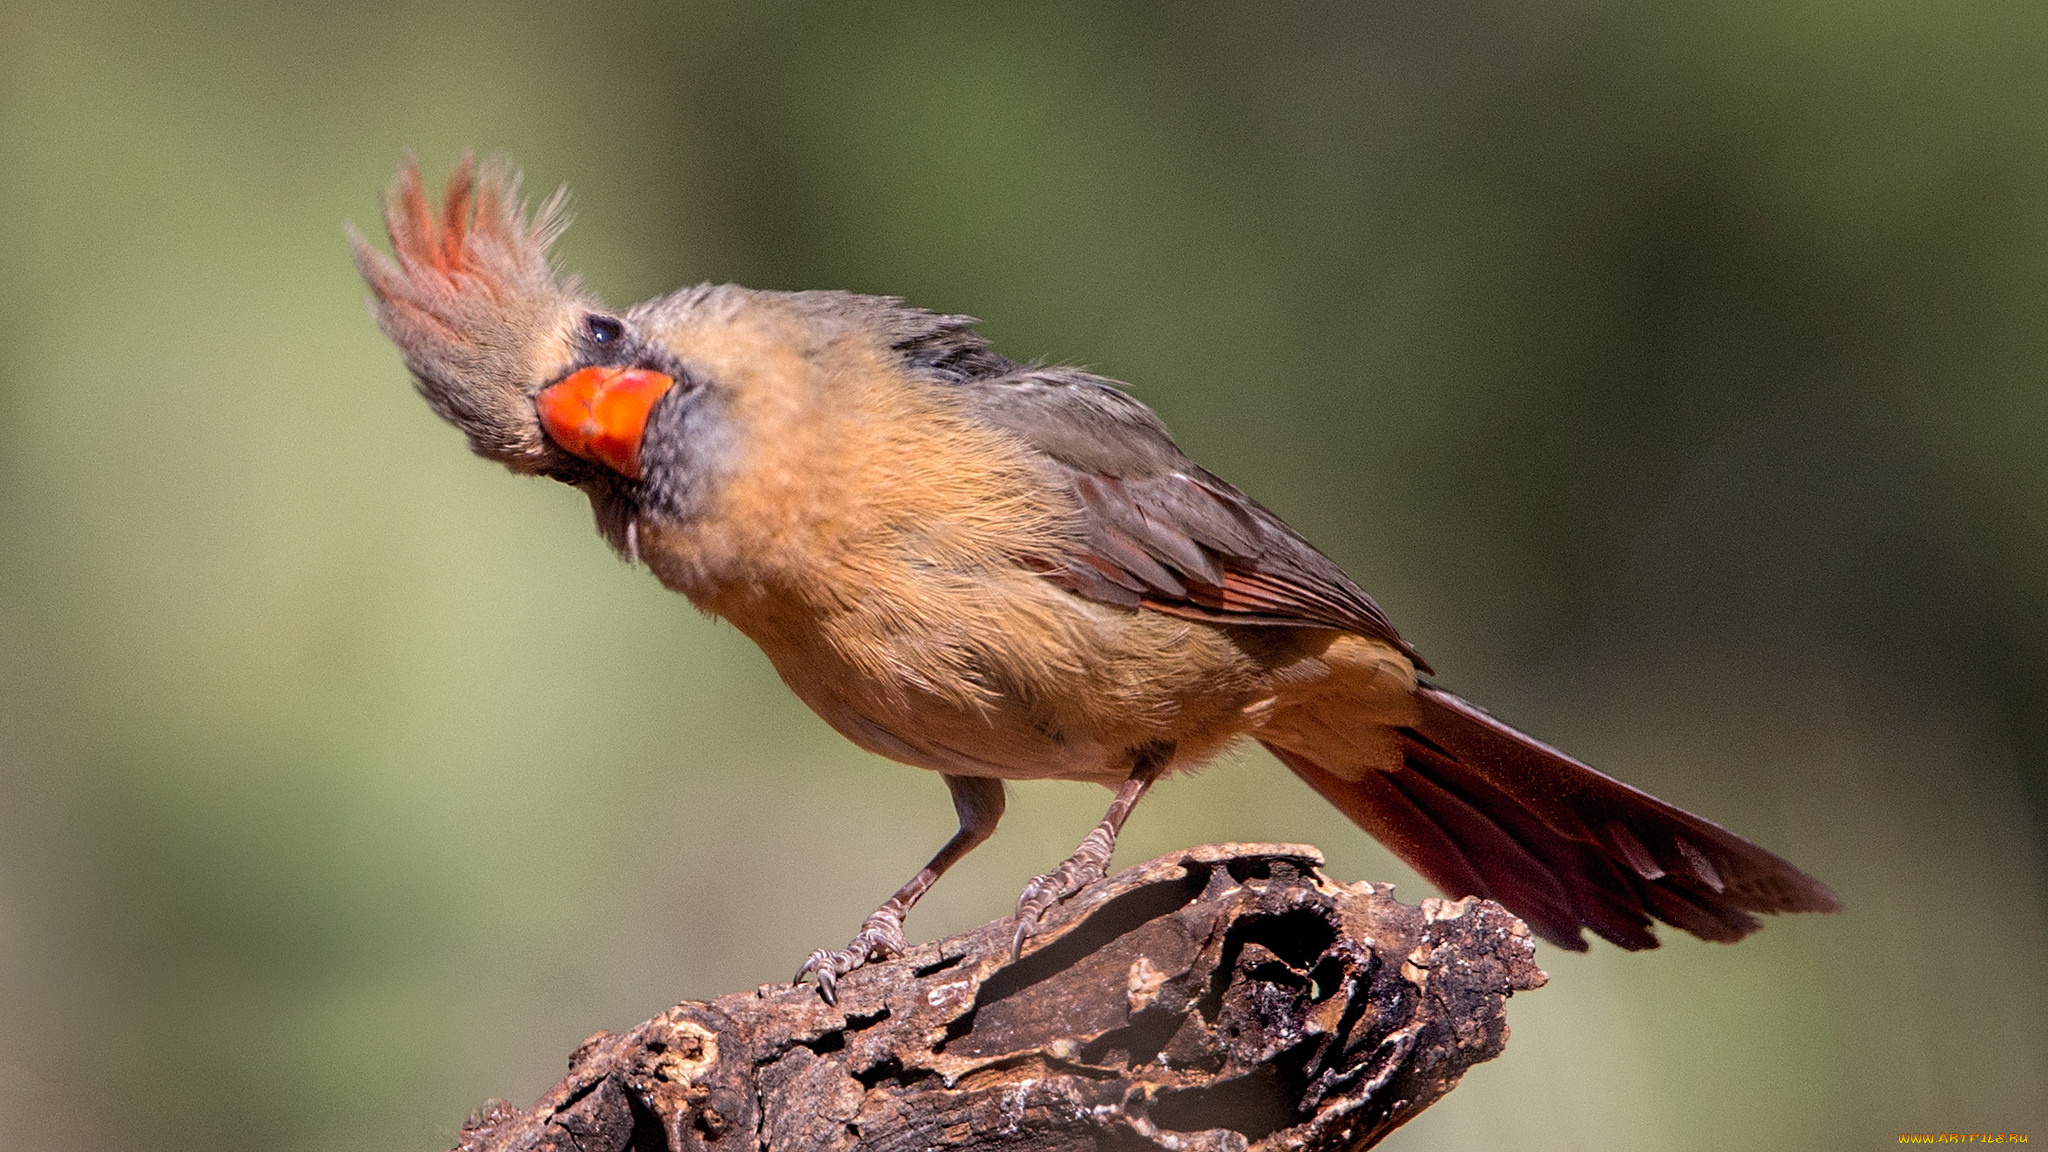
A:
(1091, 859)
(979, 801)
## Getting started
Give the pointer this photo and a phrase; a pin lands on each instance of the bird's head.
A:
(524, 360)
(650, 409)
(531, 366)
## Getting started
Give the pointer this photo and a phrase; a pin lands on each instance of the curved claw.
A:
(1045, 891)
(881, 936)
(823, 963)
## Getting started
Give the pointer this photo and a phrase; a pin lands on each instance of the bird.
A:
(1001, 571)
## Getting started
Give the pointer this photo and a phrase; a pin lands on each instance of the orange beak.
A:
(601, 413)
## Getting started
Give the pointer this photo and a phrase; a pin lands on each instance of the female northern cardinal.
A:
(999, 571)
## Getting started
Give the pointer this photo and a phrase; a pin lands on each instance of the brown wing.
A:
(1161, 531)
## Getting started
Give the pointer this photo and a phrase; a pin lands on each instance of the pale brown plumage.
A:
(1004, 572)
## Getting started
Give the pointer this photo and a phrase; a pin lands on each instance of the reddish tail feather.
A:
(1484, 810)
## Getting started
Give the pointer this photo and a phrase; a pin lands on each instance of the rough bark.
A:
(1227, 997)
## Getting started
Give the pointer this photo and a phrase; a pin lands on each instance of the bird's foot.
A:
(880, 936)
(1084, 867)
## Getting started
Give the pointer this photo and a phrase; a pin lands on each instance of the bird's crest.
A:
(470, 297)
(480, 240)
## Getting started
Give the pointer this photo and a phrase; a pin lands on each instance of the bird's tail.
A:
(1481, 809)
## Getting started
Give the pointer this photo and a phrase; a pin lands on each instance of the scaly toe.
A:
(883, 939)
(1040, 895)
(827, 965)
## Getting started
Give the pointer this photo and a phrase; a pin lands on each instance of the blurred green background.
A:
(1674, 373)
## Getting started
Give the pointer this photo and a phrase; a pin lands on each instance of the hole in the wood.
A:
(647, 1133)
(863, 1023)
(890, 1069)
(1327, 979)
(833, 1041)
(1283, 868)
(1299, 938)
(1252, 868)
(1255, 1105)
(887, 1070)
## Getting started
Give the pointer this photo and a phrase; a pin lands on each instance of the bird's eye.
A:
(603, 329)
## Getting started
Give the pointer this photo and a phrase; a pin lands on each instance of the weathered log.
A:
(1227, 997)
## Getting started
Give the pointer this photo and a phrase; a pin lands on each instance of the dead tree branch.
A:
(1228, 997)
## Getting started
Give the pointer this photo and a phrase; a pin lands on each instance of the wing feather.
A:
(1157, 525)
